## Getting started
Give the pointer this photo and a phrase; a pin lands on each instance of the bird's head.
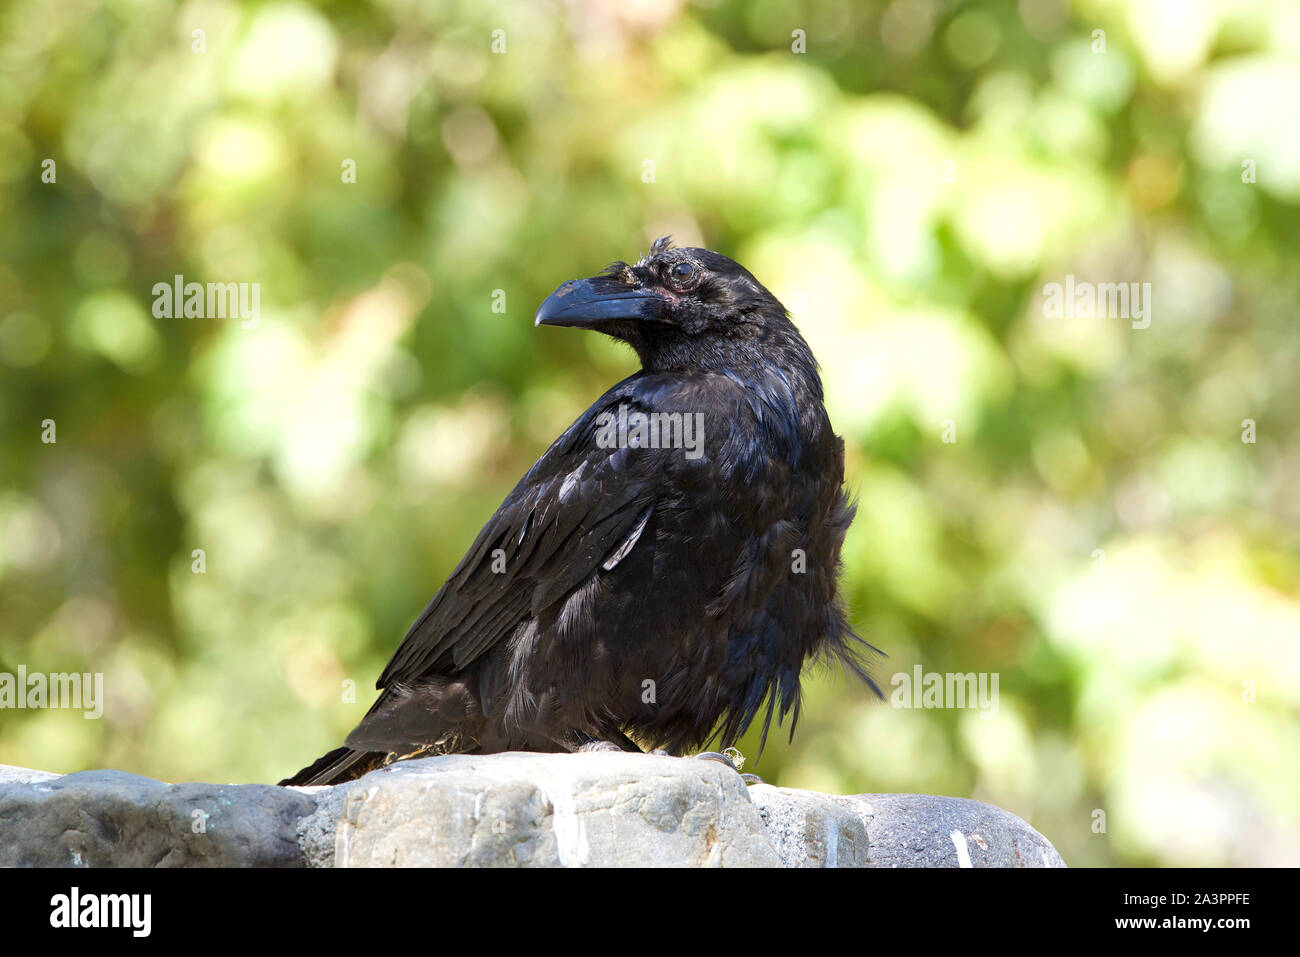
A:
(678, 308)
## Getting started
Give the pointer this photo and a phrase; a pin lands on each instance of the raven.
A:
(669, 563)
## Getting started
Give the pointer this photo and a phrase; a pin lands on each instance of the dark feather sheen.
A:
(635, 591)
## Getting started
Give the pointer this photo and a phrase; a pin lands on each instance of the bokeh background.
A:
(1098, 535)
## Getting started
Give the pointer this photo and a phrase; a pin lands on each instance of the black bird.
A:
(667, 566)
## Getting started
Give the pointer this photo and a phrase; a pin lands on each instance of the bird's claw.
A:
(732, 759)
(715, 756)
(589, 746)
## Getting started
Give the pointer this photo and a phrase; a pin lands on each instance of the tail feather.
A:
(341, 764)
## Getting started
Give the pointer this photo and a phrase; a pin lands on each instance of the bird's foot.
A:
(728, 756)
(610, 739)
(732, 759)
(588, 746)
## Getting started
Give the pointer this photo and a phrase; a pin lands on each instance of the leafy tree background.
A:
(1099, 535)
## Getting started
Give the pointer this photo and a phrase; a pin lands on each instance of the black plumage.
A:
(628, 591)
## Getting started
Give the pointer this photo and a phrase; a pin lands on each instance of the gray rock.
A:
(115, 819)
(317, 832)
(506, 810)
(536, 810)
(12, 775)
(810, 829)
(920, 830)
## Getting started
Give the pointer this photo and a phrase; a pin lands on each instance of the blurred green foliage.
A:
(1098, 535)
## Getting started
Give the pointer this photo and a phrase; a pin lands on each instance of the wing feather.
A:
(564, 518)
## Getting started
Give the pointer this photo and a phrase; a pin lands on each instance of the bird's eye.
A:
(682, 273)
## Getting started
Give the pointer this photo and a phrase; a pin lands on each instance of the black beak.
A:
(592, 303)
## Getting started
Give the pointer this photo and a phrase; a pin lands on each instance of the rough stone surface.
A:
(810, 829)
(534, 810)
(317, 832)
(12, 775)
(507, 810)
(920, 830)
(115, 819)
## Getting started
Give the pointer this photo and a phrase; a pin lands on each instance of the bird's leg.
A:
(613, 740)
(733, 759)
